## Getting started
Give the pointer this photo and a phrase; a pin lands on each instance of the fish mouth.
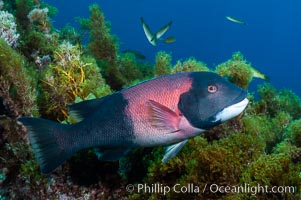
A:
(231, 111)
(243, 95)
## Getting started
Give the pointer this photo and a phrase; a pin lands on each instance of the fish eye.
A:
(212, 88)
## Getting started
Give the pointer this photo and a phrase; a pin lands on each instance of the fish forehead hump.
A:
(200, 106)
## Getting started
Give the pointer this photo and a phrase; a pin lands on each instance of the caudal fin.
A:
(47, 140)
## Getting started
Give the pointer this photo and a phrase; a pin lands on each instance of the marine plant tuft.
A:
(189, 65)
(71, 75)
(294, 133)
(281, 100)
(102, 44)
(8, 29)
(16, 86)
(162, 63)
(237, 69)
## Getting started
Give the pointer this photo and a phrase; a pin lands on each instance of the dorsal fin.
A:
(82, 110)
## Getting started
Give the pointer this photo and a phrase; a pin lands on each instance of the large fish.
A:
(167, 110)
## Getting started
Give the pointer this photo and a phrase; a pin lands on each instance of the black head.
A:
(211, 100)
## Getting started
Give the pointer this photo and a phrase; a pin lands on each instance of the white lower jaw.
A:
(231, 111)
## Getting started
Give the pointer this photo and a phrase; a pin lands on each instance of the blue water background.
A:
(271, 41)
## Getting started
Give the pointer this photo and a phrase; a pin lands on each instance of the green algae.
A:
(71, 75)
(162, 63)
(16, 86)
(189, 65)
(237, 69)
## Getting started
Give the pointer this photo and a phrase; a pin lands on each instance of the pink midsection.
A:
(164, 90)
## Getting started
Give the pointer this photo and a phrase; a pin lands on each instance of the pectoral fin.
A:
(162, 117)
(111, 154)
(173, 150)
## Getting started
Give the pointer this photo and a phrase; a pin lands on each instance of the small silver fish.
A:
(154, 37)
(238, 21)
(258, 74)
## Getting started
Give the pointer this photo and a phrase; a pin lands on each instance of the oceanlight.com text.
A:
(211, 188)
(253, 190)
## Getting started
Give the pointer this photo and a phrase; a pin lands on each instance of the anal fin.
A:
(111, 154)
